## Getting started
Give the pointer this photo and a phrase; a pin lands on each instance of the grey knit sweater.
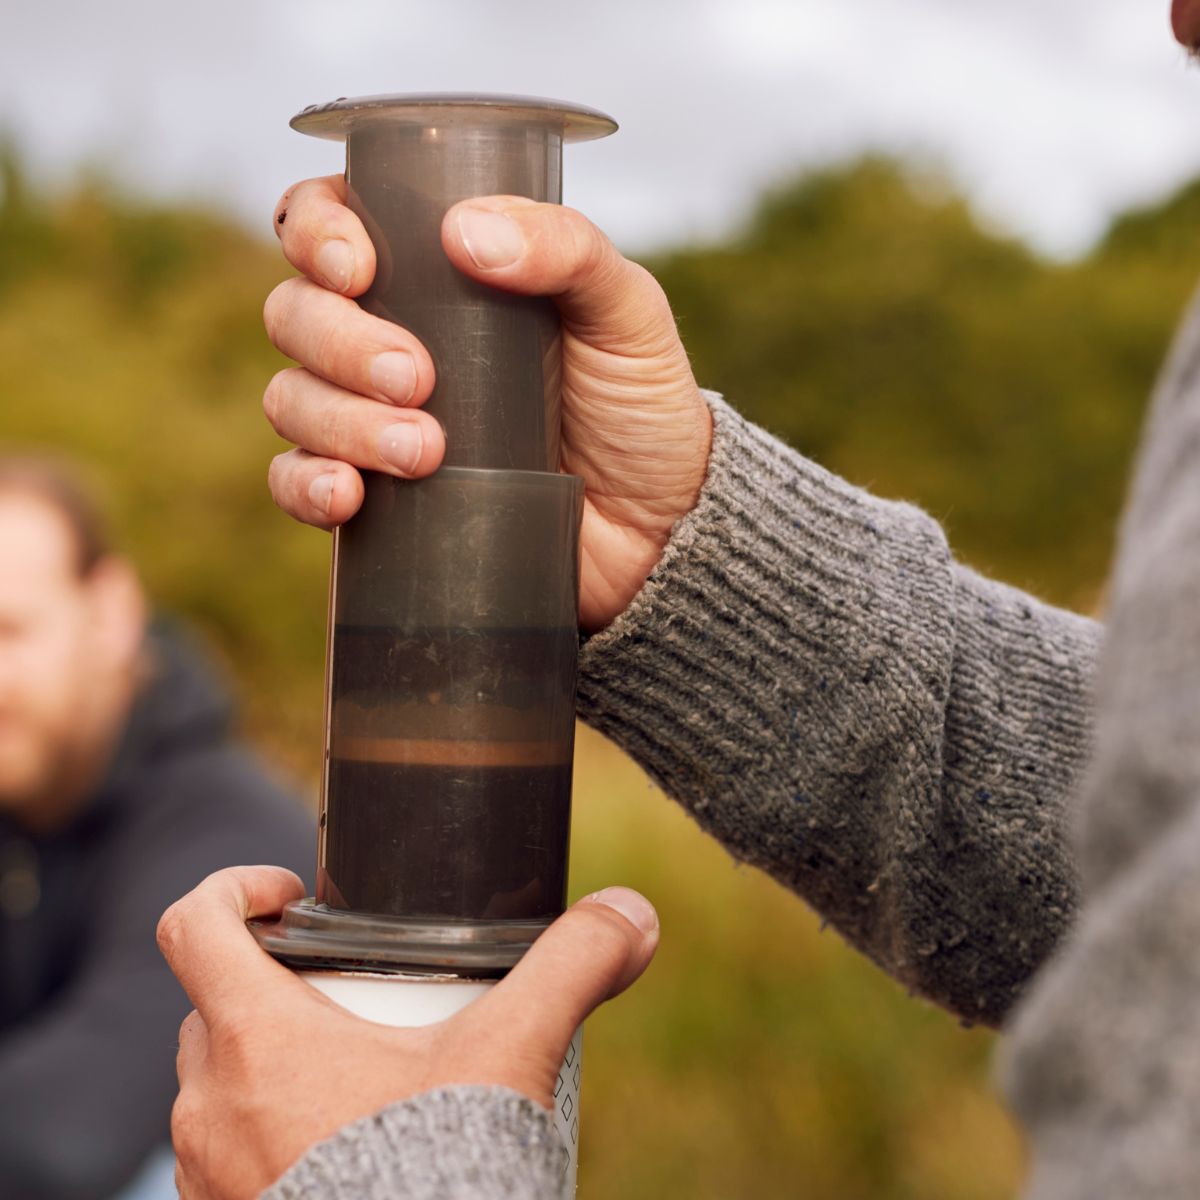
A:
(902, 743)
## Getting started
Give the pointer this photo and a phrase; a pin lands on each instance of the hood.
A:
(183, 703)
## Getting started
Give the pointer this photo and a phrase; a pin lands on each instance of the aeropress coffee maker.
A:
(453, 616)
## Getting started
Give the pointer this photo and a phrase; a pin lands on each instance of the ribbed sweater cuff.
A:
(458, 1143)
(780, 565)
(888, 734)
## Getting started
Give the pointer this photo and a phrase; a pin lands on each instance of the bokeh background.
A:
(938, 246)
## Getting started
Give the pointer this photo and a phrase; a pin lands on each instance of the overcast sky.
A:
(1053, 114)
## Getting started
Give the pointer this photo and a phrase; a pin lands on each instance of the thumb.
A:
(593, 952)
(206, 943)
(535, 249)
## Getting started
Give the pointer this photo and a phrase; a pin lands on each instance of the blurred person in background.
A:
(121, 786)
(994, 799)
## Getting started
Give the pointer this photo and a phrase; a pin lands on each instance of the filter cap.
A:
(309, 934)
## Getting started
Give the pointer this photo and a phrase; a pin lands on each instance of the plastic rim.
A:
(336, 119)
(309, 934)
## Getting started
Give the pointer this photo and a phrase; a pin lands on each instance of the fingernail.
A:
(491, 239)
(633, 906)
(335, 263)
(320, 492)
(401, 445)
(395, 375)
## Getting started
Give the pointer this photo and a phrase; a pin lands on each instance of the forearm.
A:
(812, 676)
(461, 1143)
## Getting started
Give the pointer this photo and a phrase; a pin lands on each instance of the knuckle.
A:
(185, 1121)
(277, 473)
(295, 202)
(652, 291)
(275, 396)
(169, 933)
(590, 249)
(660, 334)
(190, 1024)
(273, 309)
(592, 260)
(278, 306)
(271, 400)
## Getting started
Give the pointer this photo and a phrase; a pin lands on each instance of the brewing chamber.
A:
(451, 663)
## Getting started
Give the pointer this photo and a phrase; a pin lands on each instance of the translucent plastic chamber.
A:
(445, 813)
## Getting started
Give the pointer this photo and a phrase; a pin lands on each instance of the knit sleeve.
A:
(812, 676)
(1103, 1066)
(455, 1143)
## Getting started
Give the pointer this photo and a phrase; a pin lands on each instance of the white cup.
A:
(413, 1000)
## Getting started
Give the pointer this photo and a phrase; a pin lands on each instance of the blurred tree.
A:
(870, 322)
(132, 337)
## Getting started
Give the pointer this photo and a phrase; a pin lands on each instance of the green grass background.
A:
(863, 315)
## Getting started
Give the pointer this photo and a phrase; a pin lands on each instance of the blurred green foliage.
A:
(132, 338)
(864, 316)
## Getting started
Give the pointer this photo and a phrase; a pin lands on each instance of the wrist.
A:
(623, 543)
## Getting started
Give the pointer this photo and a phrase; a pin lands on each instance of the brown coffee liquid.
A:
(448, 794)
(446, 842)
